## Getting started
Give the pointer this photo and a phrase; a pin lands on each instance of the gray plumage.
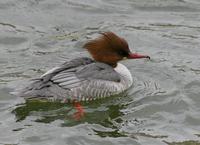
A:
(78, 79)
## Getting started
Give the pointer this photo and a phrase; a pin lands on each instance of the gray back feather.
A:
(61, 80)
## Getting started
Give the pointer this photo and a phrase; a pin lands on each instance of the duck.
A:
(85, 78)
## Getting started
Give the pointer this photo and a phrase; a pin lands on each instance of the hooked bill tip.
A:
(148, 57)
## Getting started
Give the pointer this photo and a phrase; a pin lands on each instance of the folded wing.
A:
(70, 78)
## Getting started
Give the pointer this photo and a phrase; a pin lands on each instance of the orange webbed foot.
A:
(79, 114)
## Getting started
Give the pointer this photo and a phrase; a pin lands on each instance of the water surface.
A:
(161, 108)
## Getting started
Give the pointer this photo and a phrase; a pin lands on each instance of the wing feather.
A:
(72, 77)
(62, 75)
(94, 72)
(65, 79)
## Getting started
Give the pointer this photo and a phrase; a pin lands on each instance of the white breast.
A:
(126, 78)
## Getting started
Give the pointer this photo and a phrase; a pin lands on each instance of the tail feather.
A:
(39, 89)
(35, 89)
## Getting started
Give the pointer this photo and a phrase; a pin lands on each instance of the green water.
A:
(161, 108)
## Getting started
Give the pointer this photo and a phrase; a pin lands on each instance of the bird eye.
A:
(122, 53)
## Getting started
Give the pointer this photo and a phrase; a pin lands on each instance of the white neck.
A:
(126, 78)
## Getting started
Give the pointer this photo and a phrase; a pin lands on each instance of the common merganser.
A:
(85, 78)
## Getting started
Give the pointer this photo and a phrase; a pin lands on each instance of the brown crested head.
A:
(108, 48)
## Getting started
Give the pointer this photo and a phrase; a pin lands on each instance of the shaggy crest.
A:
(108, 48)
